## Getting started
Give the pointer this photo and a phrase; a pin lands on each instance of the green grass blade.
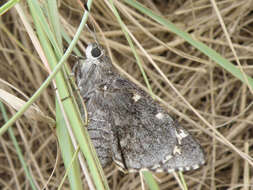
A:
(8, 5)
(55, 22)
(18, 149)
(43, 25)
(181, 177)
(150, 180)
(67, 151)
(68, 40)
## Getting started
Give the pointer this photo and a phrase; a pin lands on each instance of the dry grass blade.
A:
(33, 112)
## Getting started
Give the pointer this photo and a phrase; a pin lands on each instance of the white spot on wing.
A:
(196, 166)
(182, 134)
(159, 115)
(170, 170)
(136, 97)
(156, 166)
(176, 150)
(159, 170)
(167, 158)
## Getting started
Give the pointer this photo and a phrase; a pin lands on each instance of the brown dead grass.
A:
(221, 99)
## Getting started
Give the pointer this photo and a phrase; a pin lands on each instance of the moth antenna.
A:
(92, 32)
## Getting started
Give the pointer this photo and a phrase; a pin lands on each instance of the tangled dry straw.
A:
(224, 101)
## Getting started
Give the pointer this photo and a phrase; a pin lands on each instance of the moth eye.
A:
(95, 52)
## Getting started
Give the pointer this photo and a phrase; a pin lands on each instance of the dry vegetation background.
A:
(223, 100)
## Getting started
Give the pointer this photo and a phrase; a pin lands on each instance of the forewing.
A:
(146, 136)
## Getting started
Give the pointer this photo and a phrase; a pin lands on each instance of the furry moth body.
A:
(127, 126)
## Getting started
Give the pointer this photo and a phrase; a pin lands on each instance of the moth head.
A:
(94, 51)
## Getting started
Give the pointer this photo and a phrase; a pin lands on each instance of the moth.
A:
(127, 126)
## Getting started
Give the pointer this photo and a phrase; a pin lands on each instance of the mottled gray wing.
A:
(146, 136)
(99, 126)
